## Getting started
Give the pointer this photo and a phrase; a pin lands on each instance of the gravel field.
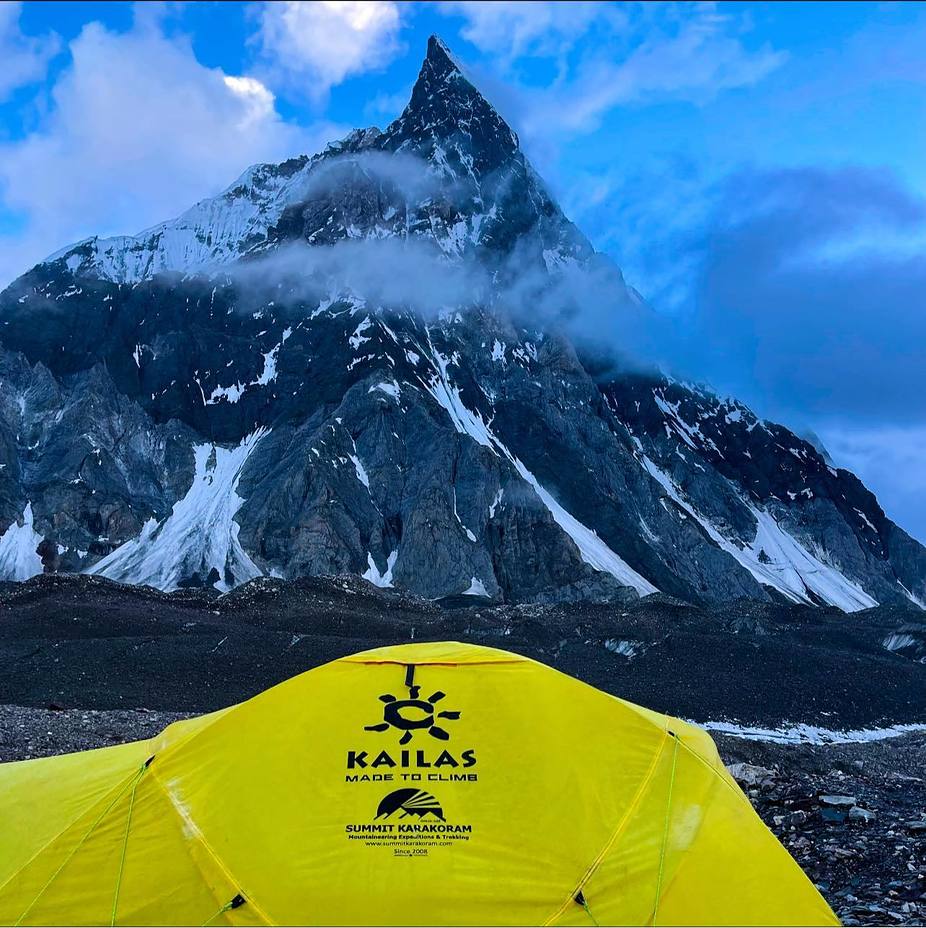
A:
(853, 816)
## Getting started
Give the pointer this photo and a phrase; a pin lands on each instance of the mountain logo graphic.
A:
(410, 801)
(413, 714)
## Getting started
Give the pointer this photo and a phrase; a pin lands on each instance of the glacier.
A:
(775, 557)
(199, 539)
(19, 559)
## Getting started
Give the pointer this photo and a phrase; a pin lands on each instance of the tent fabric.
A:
(437, 783)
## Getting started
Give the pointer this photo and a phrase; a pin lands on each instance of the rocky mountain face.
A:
(333, 368)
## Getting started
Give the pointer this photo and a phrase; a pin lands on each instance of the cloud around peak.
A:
(138, 130)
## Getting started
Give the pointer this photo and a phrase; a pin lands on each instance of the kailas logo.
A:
(411, 802)
(413, 714)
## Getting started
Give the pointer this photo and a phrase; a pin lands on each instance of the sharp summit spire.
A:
(447, 110)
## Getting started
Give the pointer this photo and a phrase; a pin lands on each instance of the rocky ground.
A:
(27, 732)
(80, 656)
(84, 642)
(853, 816)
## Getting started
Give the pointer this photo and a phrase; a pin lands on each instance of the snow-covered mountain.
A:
(339, 365)
(466, 195)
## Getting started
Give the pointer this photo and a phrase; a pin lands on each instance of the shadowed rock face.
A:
(320, 372)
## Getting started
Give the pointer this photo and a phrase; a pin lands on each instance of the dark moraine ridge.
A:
(91, 643)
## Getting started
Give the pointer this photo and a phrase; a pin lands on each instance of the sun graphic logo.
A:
(413, 802)
(413, 714)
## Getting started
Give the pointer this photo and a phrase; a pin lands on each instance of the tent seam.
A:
(125, 844)
(119, 784)
(704, 762)
(435, 663)
(744, 799)
(212, 853)
(93, 827)
(625, 818)
(665, 833)
(669, 883)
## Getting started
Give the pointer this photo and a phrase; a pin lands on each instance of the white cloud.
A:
(258, 103)
(23, 59)
(138, 131)
(513, 28)
(695, 64)
(612, 55)
(692, 57)
(311, 47)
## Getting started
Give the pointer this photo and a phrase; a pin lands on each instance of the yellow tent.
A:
(418, 785)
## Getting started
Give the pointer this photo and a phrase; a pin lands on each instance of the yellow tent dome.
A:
(414, 785)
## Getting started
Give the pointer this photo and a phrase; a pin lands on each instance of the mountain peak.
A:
(448, 113)
(440, 55)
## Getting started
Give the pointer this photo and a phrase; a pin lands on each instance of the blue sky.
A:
(757, 170)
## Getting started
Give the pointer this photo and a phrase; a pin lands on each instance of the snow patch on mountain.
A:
(269, 372)
(384, 580)
(358, 338)
(200, 536)
(897, 641)
(447, 395)
(230, 394)
(476, 588)
(690, 434)
(774, 557)
(913, 599)
(593, 550)
(213, 232)
(390, 389)
(360, 470)
(456, 515)
(795, 569)
(19, 559)
(267, 375)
